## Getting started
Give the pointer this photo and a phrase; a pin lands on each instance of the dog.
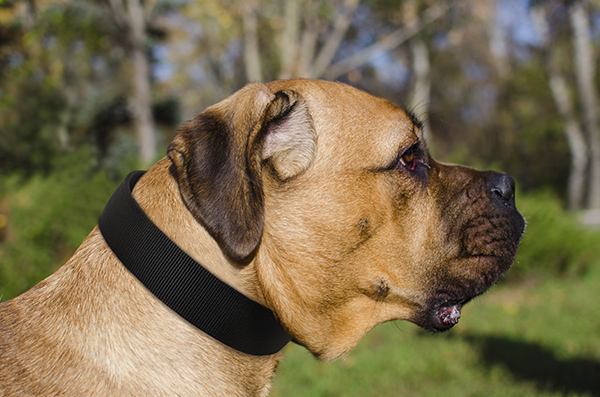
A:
(316, 203)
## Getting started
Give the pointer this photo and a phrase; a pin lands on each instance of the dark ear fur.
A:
(217, 161)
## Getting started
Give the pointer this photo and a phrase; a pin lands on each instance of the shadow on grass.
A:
(532, 362)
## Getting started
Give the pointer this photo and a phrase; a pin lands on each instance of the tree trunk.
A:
(132, 18)
(252, 60)
(308, 41)
(142, 106)
(585, 66)
(575, 138)
(421, 69)
(289, 39)
(422, 90)
(564, 104)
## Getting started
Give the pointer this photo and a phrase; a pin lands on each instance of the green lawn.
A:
(536, 338)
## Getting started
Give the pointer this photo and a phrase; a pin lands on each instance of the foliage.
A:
(46, 218)
(64, 73)
(45, 102)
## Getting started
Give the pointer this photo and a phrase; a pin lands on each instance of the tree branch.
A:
(340, 27)
(385, 44)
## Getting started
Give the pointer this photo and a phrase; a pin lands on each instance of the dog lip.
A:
(446, 317)
(443, 314)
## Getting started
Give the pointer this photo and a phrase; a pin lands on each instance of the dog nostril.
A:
(502, 185)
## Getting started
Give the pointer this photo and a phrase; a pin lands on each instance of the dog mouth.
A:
(443, 308)
(443, 313)
(446, 315)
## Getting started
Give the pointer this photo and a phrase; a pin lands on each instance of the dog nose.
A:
(502, 186)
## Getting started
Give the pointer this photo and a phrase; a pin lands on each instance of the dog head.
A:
(332, 198)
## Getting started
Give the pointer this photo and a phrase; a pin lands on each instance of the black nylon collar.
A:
(183, 284)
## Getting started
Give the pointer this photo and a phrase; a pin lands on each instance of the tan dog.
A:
(312, 198)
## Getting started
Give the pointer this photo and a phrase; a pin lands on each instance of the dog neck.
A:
(181, 283)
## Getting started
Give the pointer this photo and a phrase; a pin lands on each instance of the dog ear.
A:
(218, 157)
(289, 141)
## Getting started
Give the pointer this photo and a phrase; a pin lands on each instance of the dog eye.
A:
(409, 159)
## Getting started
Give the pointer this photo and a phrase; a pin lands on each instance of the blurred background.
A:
(91, 89)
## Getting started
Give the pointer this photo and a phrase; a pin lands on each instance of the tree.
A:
(583, 141)
(251, 49)
(386, 43)
(585, 72)
(303, 52)
(420, 66)
(67, 69)
(483, 91)
(564, 103)
(45, 101)
(132, 15)
(296, 38)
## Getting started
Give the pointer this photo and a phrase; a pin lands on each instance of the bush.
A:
(554, 243)
(46, 219)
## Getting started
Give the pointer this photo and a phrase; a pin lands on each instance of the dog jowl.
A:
(312, 199)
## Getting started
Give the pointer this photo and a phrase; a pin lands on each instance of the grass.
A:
(535, 338)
